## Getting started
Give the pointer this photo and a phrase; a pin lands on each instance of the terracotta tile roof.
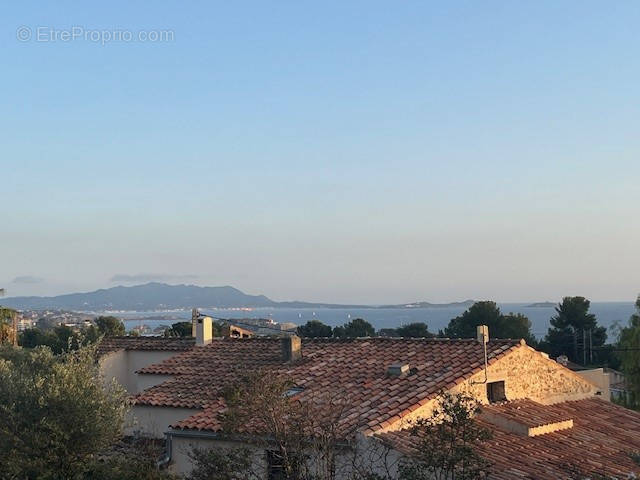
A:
(175, 344)
(527, 412)
(599, 443)
(355, 369)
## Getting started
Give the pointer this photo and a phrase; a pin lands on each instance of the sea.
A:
(609, 314)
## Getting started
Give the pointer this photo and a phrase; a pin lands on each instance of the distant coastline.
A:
(541, 305)
(162, 297)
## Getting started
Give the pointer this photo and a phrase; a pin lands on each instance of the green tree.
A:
(314, 329)
(629, 352)
(122, 467)
(179, 329)
(55, 413)
(60, 339)
(132, 458)
(6, 314)
(91, 334)
(447, 442)
(34, 337)
(500, 326)
(7, 333)
(410, 330)
(573, 329)
(222, 464)
(356, 328)
(46, 323)
(110, 326)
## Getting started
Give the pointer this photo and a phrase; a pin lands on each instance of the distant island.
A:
(465, 303)
(541, 305)
(156, 296)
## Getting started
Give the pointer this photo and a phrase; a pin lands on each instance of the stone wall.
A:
(526, 373)
(530, 374)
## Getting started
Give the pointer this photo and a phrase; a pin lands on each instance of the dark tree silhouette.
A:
(573, 329)
(357, 327)
(110, 326)
(411, 330)
(314, 329)
(500, 326)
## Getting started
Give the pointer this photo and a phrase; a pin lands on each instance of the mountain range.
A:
(160, 296)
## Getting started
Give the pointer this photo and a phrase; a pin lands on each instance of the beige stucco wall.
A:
(123, 364)
(182, 446)
(372, 454)
(600, 378)
(113, 366)
(153, 422)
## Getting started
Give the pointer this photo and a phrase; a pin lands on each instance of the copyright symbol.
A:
(23, 34)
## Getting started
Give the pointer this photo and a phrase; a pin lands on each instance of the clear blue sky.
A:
(355, 151)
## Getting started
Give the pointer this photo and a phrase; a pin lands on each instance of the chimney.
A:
(482, 334)
(194, 319)
(291, 349)
(398, 370)
(204, 330)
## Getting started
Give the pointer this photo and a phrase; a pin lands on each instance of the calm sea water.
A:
(608, 314)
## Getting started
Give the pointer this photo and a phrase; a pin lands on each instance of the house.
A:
(544, 414)
(611, 382)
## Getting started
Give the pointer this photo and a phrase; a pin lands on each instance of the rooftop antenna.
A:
(482, 335)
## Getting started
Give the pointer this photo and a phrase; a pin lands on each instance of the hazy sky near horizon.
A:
(361, 151)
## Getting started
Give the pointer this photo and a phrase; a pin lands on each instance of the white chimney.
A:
(482, 334)
(204, 330)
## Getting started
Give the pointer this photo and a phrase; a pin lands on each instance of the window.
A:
(293, 391)
(496, 392)
(274, 466)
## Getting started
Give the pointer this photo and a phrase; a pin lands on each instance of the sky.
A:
(361, 151)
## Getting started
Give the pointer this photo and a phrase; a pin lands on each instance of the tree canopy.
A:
(357, 327)
(629, 345)
(410, 330)
(573, 330)
(110, 326)
(59, 339)
(314, 329)
(500, 325)
(179, 329)
(55, 413)
(448, 441)
(7, 333)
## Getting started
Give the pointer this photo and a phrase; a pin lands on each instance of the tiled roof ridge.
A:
(513, 341)
(144, 337)
(124, 342)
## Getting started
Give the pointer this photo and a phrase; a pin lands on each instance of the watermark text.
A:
(77, 33)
